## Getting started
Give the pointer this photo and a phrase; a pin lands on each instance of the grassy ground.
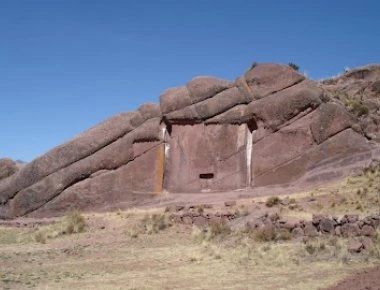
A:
(141, 249)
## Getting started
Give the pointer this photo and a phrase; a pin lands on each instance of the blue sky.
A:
(67, 65)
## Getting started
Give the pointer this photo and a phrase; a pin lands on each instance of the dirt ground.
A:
(368, 279)
(141, 249)
(112, 255)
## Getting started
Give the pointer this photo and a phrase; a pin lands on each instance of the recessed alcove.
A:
(212, 157)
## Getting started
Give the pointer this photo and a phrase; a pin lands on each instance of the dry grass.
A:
(72, 223)
(154, 223)
(354, 195)
(354, 104)
(272, 201)
(106, 256)
(142, 249)
(216, 230)
(270, 233)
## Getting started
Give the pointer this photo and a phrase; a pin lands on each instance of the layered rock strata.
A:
(270, 126)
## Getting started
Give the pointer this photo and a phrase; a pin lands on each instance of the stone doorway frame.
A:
(166, 129)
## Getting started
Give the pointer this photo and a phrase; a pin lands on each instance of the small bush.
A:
(283, 235)
(198, 235)
(271, 233)
(293, 66)
(219, 228)
(134, 233)
(156, 222)
(359, 206)
(316, 246)
(266, 234)
(74, 222)
(292, 201)
(272, 201)
(310, 248)
(40, 237)
(359, 109)
(253, 65)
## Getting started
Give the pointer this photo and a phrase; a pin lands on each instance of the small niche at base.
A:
(206, 175)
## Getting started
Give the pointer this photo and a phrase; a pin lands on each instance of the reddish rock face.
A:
(263, 80)
(359, 91)
(207, 158)
(270, 126)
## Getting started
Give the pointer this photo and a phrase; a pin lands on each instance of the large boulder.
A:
(266, 79)
(332, 119)
(210, 107)
(175, 99)
(204, 87)
(277, 108)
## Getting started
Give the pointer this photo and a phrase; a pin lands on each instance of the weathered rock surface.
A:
(7, 167)
(359, 91)
(270, 126)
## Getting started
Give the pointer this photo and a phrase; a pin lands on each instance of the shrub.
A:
(198, 234)
(283, 235)
(266, 234)
(272, 201)
(310, 248)
(155, 223)
(293, 66)
(74, 222)
(316, 246)
(216, 229)
(219, 228)
(134, 233)
(253, 65)
(40, 237)
(292, 201)
(270, 233)
(357, 108)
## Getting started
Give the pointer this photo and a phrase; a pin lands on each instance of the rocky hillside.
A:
(359, 91)
(269, 126)
(8, 167)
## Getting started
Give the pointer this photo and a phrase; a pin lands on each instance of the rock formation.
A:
(359, 91)
(7, 167)
(270, 126)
